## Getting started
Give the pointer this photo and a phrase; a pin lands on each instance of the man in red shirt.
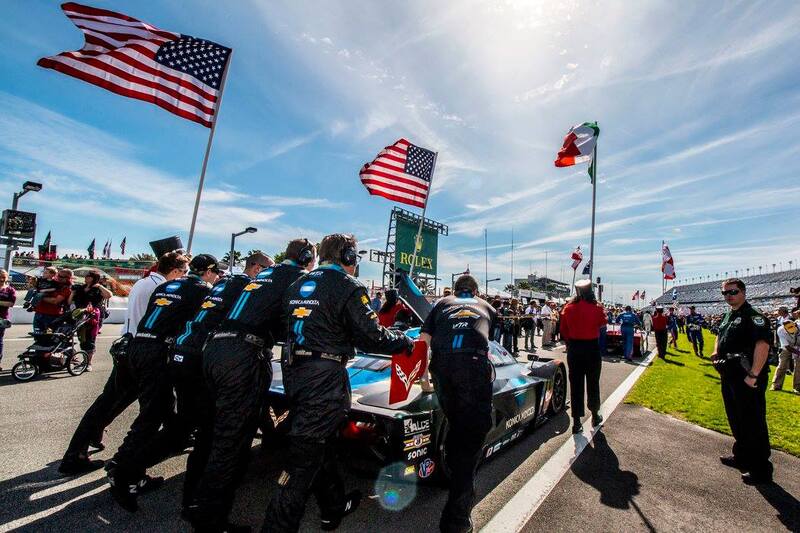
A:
(51, 306)
(581, 321)
(660, 331)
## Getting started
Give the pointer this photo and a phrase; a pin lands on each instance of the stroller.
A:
(54, 349)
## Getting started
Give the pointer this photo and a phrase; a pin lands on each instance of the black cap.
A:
(204, 262)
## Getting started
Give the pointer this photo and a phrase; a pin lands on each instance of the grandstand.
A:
(764, 291)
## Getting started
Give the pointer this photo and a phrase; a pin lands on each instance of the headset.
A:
(349, 255)
(306, 255)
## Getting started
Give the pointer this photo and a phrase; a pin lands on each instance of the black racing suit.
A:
(144, 371)
(195, 408)
(238, 372)
(328, 315)
(459, 327)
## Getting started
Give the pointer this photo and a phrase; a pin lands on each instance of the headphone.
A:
(349, 255)
(306, 255)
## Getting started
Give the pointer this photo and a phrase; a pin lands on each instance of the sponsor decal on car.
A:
(413, 375)
(411, 426)
(426, 468)
(417, 441)
(416, 454)
(410, 470)
(519, 417)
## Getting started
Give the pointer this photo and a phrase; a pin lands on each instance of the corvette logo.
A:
(251, 287)
(161, 302)
(208, 305)
(301, 312)
(408, 380)
(465, 313)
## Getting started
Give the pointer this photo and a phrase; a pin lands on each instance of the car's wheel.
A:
(441, 475)
(77, 363)
(24, 371)
(559, 398)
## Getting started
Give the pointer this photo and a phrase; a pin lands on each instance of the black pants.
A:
(237, 379)
(661, 343)
(319, 400)
(746, 409)
(464, 389)
(584, 364)
(115, 398)
(145, 370)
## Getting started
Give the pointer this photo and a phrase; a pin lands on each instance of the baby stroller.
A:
(54, 349)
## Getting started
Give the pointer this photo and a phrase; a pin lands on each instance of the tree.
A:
(255, 251)
(237, 257)
(144, 257)
(524, 285)
(279, 257)
(509, 288)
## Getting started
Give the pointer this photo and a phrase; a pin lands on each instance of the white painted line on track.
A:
(30, 339)
(513, 516)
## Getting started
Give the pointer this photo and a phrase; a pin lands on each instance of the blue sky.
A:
(697, 107)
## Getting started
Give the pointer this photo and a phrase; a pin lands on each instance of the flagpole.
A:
(574, 271)
(422, 220)
(208, 151)
(594, 205)
(663, 281)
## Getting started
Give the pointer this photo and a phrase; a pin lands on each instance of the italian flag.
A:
(578, 146)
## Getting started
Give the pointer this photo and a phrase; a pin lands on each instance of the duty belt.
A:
(321, 355)
(246, 337)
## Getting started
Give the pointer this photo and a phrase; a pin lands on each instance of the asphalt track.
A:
(38, 418)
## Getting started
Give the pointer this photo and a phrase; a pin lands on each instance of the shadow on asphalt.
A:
(788, 506)
(7, 379)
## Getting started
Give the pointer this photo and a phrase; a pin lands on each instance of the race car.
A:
(410, 435)
(614, 340)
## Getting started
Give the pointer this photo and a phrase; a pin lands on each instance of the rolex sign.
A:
(426, 249)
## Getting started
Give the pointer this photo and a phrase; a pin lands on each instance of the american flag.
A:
(123, 244)
(401, 172)
(129, 57)
(635, 296)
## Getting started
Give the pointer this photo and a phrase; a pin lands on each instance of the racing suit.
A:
(459, 327)
(328, 315)
(627, 321)
(238, 372)
(694, 330)
(144, 370)
(195, 408)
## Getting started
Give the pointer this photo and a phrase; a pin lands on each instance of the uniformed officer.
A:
(457, 331)
(144, 369)
(194, 404)
(740, 355)
(238, 372)
(329, 315)
(628, 321)
(694, 330)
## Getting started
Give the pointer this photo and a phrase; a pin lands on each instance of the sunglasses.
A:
(731, 292)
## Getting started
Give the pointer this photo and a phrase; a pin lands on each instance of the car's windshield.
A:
(499, 356)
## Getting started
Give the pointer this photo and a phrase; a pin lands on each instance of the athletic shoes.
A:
(329, 523)
(597, 419)
(74, 467)
(577, 427)
(729, 460)
(751, 478)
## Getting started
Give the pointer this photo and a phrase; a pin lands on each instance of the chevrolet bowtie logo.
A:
(207, 305)
(465, 313)
(301, 312)
(162, 302)
(252, 286)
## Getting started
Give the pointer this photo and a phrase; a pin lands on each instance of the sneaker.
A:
(352, 500)
(729, 460)
(74, 467)
(796, 391)
(98, 446)
(89, 368)
(597, 419)
(577, 427)
(751, 478)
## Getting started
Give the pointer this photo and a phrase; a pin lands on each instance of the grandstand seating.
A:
(764, 291)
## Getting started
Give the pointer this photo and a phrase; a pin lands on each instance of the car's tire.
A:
(77, 363)
(441, 475)
(24, 371)
(559, 398)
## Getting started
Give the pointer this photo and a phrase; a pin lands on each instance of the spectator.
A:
(389, 309)
(8, 296)
(546, 314)
(51, 307)
(660, 331)
(41, 287)
(376, 303)
(789, 339)
(647, 326)
(497, 334)
(528, 324)
(90, 296)
(581, 321)
(170, 266)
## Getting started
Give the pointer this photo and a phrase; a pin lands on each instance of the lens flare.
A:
(396, 486)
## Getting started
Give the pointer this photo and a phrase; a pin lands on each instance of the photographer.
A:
(8, 296)
(90, 296)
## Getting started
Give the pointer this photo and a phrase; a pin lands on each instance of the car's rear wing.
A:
(408, 291)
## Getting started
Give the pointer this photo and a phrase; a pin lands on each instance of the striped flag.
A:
(129, 57)
(122, 245)
(401, 172)
(642, 296)
(667, 263)
(577, 257)
(635, 295)
(578, 146)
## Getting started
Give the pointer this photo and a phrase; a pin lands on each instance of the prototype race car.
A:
(409, 435)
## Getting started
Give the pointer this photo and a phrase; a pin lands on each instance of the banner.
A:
(404, 247)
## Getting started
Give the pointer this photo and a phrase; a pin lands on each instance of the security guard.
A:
(694, 330)
(457, 330)
(628, 321)
(740, 355)
(194, 404)
(328, 315)
(238, 372)
(145, 369)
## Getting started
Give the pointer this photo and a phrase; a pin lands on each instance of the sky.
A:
(697, 105)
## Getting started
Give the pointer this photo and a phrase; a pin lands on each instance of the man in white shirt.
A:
(545, 313)
(789, 338)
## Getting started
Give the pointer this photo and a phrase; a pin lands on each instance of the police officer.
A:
(628, 321)
(740, 355)
(694, 330)
(194, 403)
(329, 315)
(144, 369)
(457, 331)
(238, 372)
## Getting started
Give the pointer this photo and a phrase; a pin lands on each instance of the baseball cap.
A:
(204, 262)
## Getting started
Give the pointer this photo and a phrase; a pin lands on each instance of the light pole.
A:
(28, 186)
(233, 241)
(487, 284)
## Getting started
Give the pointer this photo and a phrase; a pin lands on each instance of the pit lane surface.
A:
(37, 420)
